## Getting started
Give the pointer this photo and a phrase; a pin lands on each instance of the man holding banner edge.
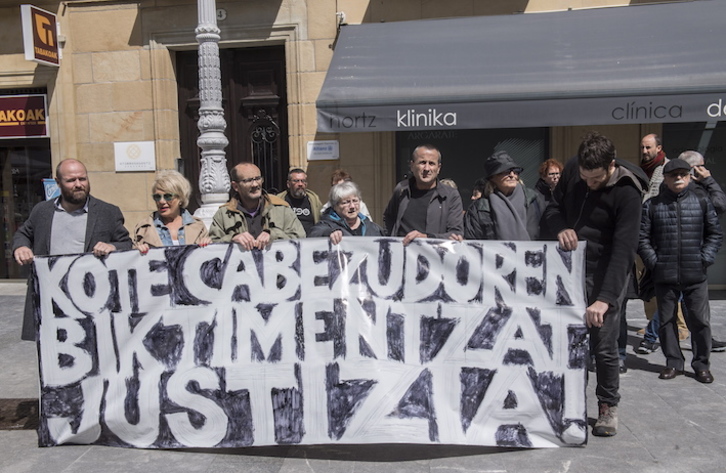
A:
(75, 222)
(598, 200)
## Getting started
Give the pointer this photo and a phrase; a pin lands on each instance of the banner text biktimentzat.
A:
(441, 342)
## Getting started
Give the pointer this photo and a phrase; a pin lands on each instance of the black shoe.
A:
(717, 346)
(623, 369)
(670, 373)
(704, 377)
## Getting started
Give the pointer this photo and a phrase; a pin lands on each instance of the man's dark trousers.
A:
(698, 319)
(604, 343)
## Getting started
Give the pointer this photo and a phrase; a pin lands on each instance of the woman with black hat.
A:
(507, 209)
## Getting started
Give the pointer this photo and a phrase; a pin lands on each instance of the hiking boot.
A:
(607, 421)
(646, 347)
(717, 346)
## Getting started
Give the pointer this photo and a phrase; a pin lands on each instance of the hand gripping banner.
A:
(437, 342)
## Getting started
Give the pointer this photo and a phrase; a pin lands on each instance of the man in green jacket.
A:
(253, 218)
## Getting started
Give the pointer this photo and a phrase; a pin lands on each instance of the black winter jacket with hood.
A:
(679, 236)
(608, 219)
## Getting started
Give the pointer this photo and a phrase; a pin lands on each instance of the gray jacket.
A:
(444, 217)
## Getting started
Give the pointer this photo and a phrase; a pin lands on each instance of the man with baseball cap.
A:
(679, 237)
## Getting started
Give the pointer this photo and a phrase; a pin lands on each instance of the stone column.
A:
(213, 177)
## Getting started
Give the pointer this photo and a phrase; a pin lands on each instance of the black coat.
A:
(544, 189)
(679, 236)
(608, 219)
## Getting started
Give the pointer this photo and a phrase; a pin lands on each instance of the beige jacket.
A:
(145, 232)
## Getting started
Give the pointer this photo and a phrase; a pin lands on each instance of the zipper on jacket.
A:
(678, 226)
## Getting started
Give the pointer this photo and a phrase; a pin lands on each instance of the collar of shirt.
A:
(59, 207)
(252, 213)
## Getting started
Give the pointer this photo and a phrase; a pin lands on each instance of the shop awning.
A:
(636, 64)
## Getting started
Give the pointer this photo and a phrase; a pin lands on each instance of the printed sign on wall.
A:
(23, 116)
(437, 342)
(134, 156)
(40, 35)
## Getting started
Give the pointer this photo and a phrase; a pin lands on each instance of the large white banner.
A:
(475, 343)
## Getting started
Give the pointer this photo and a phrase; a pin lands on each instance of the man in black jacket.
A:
(598, 199)
(679, 237)
(420, 207)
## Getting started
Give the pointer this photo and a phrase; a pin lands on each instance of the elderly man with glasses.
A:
(253, 218)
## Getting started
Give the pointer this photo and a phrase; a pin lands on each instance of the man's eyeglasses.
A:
(250, 180)
(298, 181)
(166, 197)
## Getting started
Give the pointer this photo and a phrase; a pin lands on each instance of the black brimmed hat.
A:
(498, 163)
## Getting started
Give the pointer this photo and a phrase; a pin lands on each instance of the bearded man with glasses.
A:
(253, 218)
(305, 203)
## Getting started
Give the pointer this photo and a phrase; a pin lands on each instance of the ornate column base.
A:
(211, 203)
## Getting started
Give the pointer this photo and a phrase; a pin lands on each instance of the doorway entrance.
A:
(254, 99)
(24, 163)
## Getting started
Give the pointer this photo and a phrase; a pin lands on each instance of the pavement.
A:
(665, 426)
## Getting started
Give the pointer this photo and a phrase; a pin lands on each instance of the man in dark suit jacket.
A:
(57, 227)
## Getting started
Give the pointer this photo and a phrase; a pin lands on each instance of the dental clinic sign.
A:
(717, 109)
(40, 35)
(482, 114)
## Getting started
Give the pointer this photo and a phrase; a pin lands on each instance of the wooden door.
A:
(255, 108)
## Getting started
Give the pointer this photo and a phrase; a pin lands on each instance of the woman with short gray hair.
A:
(343, 217)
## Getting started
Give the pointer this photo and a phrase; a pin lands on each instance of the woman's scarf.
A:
(510, 214)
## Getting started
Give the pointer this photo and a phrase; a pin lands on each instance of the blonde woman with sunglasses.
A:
(171, 224)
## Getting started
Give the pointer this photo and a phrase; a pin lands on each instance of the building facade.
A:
(128, 73)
